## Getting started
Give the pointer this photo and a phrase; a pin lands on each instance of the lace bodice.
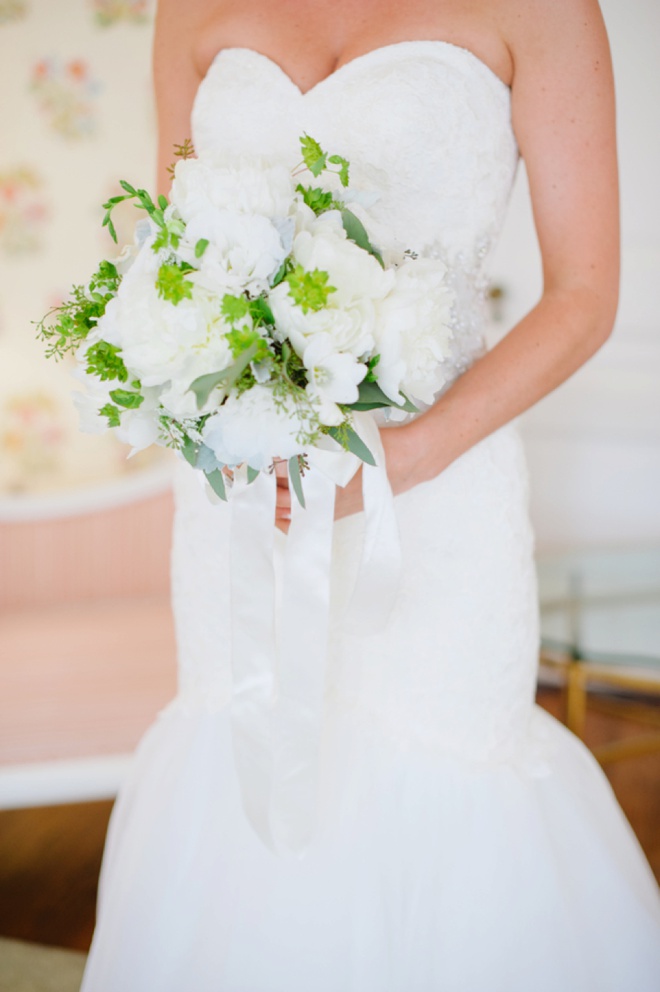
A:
(425, 125)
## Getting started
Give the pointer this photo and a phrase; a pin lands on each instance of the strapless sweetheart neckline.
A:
(358, 60)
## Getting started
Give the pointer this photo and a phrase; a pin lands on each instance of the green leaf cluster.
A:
(310, 290)
(317, 160)
(126, 398)
(104, 361)
(65, 327)
(171, 229)
(111, 413)
(319, 200)
(171, 282)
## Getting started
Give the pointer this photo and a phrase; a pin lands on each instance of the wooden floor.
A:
(50, 858)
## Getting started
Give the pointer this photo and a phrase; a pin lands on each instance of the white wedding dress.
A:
(466, 841)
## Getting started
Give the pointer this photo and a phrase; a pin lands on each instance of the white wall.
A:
(594, 444)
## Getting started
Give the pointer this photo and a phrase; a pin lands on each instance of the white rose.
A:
(244, 186)
(414, 331)
(252, 428)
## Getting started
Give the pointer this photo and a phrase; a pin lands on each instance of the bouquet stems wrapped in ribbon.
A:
(251, 321)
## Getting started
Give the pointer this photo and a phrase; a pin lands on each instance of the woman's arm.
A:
(563, 116)
(176, 77)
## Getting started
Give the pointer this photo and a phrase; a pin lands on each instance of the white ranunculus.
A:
(254, 429)
(359, 283)
(333, 378)
(414, 331)
(247, 187)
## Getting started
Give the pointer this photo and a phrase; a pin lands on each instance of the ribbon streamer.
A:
(279, 655)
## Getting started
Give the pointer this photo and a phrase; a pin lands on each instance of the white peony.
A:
(246, 187)
(244, 251)
(333, 378)
(359, 283)
(163, 342)
(254, 429)
(414, 332)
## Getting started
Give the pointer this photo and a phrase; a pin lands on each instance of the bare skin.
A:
(555, 57)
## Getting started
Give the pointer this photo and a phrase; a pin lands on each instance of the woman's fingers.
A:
(282, 498)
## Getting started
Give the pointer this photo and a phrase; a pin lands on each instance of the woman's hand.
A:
(406, 467)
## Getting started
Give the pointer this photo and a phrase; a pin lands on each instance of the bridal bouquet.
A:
(252, 318)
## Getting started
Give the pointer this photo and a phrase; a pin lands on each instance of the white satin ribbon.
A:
(279, 654)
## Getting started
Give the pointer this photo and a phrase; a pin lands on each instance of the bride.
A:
(464, 840)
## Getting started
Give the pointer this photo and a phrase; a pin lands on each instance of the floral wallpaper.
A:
(76, 115)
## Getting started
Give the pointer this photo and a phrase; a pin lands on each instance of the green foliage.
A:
(280, 275)
(172, 284)
(204, 385)
(169, 234)
(342, 172)
(295, 476)
(243, 338)
(350, 440)
(310, 290)
(186, 150)
(371, 365)
(234, 308)
(111, 413)
(170, 230)
(65, 327)
(313, 155)
(216, 480)
(372, 397)
(126, 398)
(356, 231)
(261, 312)
(104, 361)
(319, 200)
(201, 247)
(317, 160)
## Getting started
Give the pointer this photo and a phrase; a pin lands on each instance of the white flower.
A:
(244, 251)
(254, 429)
(140, 428)
(163, 342)
(247, 187)
(359, 283)
(333, 378)
(414, 331)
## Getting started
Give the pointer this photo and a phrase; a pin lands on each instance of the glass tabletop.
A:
(602, 606)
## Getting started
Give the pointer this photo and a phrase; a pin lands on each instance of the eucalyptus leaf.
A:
(189, 451)
(296, 479)
(216, 481)
(353, 442)
(204, 385)
(252, 474)
(372, 397)
(356, 231)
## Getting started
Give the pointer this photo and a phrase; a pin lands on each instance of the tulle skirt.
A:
(467, 841)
